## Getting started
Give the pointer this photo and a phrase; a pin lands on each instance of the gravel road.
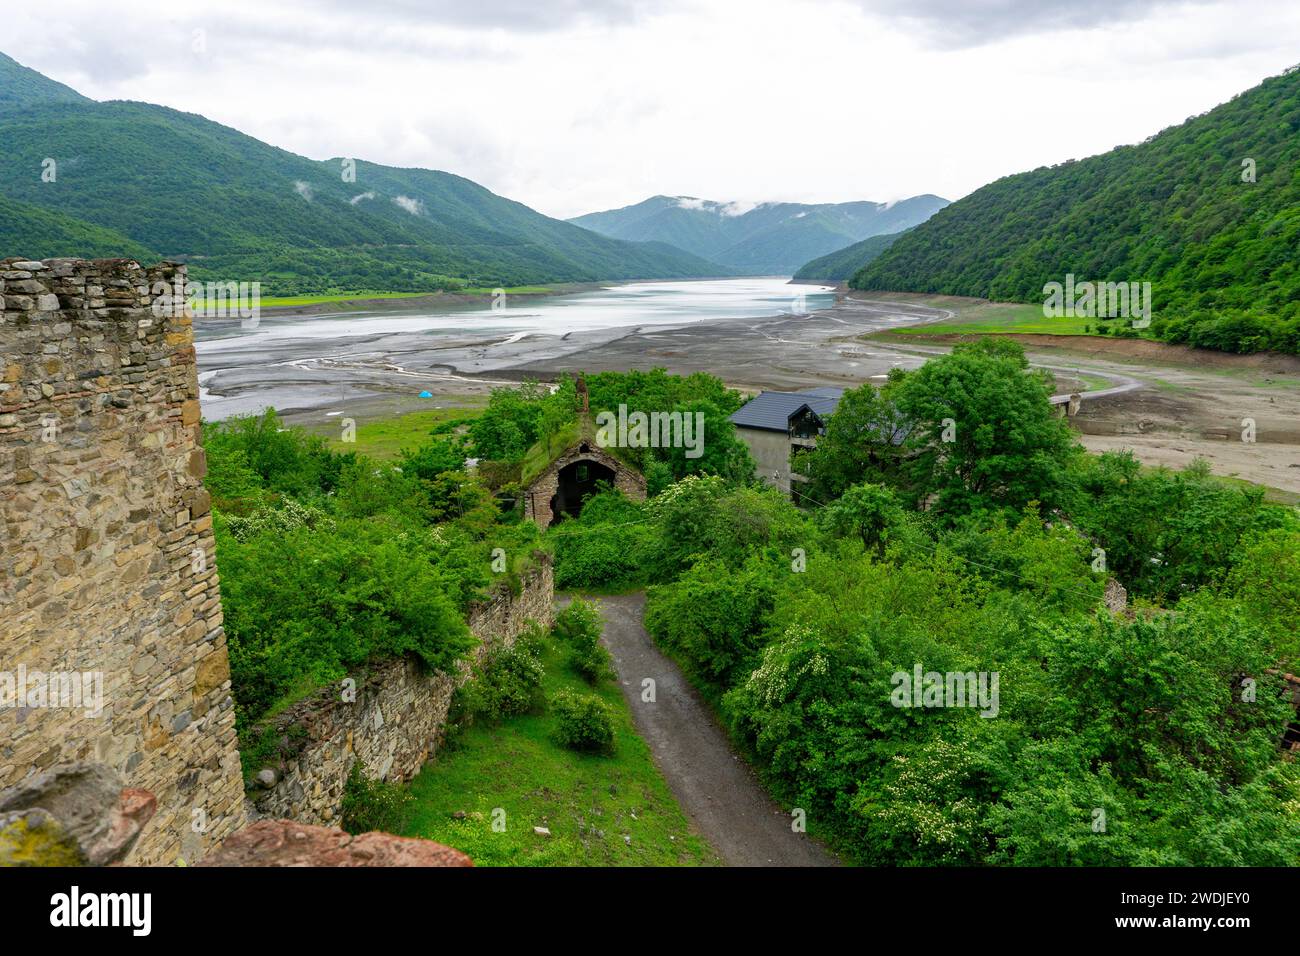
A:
(716, 788)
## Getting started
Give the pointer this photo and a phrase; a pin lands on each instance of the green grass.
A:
(297, 301)
(1001, 318)
(515, 290)
(1094, 383)
(384, 439)
(1277, 496)
(539, 457)
(290, 301)
(588, 802)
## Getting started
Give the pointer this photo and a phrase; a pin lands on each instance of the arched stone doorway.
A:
(576, 482)
(559, 490)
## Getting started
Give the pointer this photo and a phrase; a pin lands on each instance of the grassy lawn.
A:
(383, 439)
(601, 811)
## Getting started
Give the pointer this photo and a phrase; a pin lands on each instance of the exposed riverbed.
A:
(753, 333)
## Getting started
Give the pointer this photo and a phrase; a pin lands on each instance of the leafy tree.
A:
(862, 442)
(712, 616)
(873, 513)
(1266, 581)
(984, 435)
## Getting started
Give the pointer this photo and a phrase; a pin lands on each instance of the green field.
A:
(384, 439)
(1003, 317)
(293, 301)
(601, 811)
(298, 301)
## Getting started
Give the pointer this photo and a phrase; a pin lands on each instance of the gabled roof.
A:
(771, 411)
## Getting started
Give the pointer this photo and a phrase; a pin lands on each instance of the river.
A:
(308, 363)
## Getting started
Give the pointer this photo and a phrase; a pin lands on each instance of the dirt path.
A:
(716, 788)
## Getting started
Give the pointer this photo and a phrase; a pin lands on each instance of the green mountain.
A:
(842, 263)
(37, 233)
(20, 86)
(764, 239)
(1176, 210)
(177, 185)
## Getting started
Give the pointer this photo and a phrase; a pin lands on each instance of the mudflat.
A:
(1167, 404)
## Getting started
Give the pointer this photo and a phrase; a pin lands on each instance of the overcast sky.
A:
(572, 106)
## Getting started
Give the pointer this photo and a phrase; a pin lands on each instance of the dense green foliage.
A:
(840, 265)
(45, 234)
(969, 431)
(579, 627)
(527, 425)
(772, 238)
(1174, 210)
(330, 560)
(21, 86)
(507, 682)
(176, 185)
(584, 722)
(1148, 737)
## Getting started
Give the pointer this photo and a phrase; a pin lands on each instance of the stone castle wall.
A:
(106, 547)
(392, 725)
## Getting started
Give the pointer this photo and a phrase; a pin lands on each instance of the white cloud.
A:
(361, 197)
(413, 206)
(586, 105)
(303, 189)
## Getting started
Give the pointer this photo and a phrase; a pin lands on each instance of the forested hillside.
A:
(839, 265)
(773, 238)
(183, 187)
(1177, 210)
(38, 233)
(20, 86)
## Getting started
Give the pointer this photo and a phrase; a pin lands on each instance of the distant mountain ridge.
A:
(840, 265)
(772, 238)
(148, 181)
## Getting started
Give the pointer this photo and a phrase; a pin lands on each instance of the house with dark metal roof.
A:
(775, 425)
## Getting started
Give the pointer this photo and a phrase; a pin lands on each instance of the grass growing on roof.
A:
(538, 458)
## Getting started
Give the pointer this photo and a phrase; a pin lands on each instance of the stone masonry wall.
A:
(537, 497)
(106, 547)
(394, 723)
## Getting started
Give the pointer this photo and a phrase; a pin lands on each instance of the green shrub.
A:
(372, 804)
(713, 616)
(507, 682)
(579, 627)
(585, 723)
(607, 547)
(303, 607)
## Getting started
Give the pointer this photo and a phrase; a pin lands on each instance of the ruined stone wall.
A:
(538, 495)
(393, 724)
(106, 547)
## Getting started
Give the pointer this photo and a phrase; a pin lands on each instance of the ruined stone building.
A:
(111, 641)
(565, 476)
